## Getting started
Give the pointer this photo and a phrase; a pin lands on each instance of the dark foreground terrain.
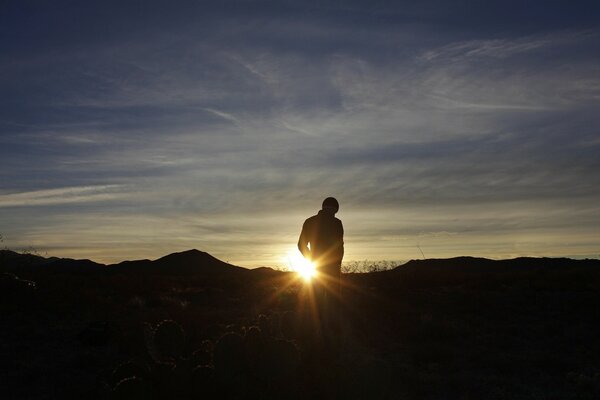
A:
(189, 326)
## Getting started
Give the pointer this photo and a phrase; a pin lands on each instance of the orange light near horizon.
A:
(299, 264)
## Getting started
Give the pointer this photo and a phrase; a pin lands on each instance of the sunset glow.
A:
(301, 265)
(442, 129)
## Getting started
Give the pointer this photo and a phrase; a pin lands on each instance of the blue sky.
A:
(464, 128)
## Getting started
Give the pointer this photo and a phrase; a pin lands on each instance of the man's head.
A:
(331, 205)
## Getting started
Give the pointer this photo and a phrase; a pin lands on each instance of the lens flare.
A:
(301, 265)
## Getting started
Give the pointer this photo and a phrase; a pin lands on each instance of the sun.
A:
(301, 265)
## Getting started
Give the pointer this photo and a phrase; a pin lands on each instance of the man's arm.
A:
(303, 242)
(341, 243)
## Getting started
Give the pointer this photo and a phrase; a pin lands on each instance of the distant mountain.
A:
(415, 273)
(10, 260)
(14, 262)
(483, 271)
(475, 264)
(183, 263)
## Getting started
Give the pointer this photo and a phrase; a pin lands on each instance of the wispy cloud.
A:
(69, 195)
(506, 47)
(222, 114)
(431, 126)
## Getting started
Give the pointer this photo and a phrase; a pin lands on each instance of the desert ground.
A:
(189, 326)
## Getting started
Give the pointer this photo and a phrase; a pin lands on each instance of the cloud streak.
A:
(70, 195)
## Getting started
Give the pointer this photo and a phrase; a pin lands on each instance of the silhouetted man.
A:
(322, 242)
(322, 239)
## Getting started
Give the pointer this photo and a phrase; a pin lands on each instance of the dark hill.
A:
(413, 274)
(10, 260)
(183, 263)
(476, 263)
(18, 263)
(190, 262)
(548, 272)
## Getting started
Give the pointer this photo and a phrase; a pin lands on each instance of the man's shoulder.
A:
(322, 219)
(312, 219)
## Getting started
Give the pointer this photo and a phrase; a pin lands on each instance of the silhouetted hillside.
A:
(413, 274)
(14, 262)
(495, 273)
(476, 264)
(188, 325)
(183, 263)
(10, 260)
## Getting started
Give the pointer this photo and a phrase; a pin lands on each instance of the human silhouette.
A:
(322, 239)
(322, 242)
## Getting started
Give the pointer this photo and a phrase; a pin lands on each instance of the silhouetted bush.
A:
(253, 347)
(96, 334)
(132, 388)
(281, 359)
(353, 267)
(289, 325)
(229, 355)
(200, 357)
(203, 383)
(168, 340)
(129, 369)
(274, 325)
(13, 288)
(164, 376)
(264, 324)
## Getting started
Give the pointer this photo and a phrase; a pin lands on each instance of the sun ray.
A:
(305, 269)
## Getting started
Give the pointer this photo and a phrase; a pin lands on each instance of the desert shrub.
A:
(168, 340)
(274, 325)
(289, 325)
(212, 332)
(164, 376)
(229, 354)
(203, 383)
(374, 375)
(264, 324)
(253, 337)
(11, 286)
(128, 369)
(585, 384)
(279, 360)
(132, 388)
(368, 266)
(278, 366)
(199, 357)
(253, 344)
(234, 328)
(97, 333)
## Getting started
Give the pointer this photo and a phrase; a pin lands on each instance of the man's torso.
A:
(325, 234)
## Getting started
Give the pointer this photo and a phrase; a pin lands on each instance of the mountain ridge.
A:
(481, 262)
(196, 261)
(178, 263)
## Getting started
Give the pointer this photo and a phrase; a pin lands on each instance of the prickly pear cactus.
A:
(168, 340)
(132, 388)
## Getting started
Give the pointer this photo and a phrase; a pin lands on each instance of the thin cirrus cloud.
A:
(69, 195)
(208, 130)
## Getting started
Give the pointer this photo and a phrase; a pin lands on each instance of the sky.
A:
(135, 129)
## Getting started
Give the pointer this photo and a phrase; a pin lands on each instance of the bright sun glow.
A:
(301, 265)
